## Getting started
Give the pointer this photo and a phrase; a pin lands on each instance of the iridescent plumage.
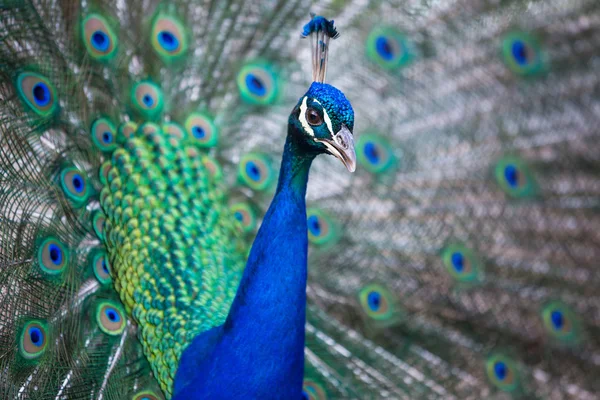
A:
(139, 148)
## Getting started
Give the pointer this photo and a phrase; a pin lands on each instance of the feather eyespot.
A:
(99, 38)
(322, 229)
(126, 131)
(258, 83)
(103, 172)
(174, 130)
(147, 395)
(53, 256)
(38, 93)
(169, 38)
(514, 177)
(212, 166)
(33, 339)
(101, 267)
(462, 263)
(388, 48)
(255, 171)
(201, 130)
(245, 215)
(103, 135)
(313, 117)
(312, 390)
(147, 99)
(110, 318)
(502, 372)
(561, 323)
(523, 54)
(376, 301)
(374, 153)
(74, 186)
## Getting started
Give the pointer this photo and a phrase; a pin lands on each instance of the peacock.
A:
(159, 237)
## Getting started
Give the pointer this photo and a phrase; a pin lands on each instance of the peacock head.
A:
(323, 116)
(325, 120)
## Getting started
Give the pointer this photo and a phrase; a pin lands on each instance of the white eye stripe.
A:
(302, 118)
(328, 121)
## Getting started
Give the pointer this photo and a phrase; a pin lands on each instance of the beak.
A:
(342, 147)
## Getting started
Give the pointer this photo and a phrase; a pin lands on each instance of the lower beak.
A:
(342, 147)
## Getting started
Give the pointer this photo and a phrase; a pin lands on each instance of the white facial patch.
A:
(328, 121)
(303, 120)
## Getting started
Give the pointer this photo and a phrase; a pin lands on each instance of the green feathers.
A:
(522, 54)
(514, 177)
(103, 134)
(147, 99)
(33, 340)
(75, 186)
(53, 256)
(374, 153)
(258, 83)
(388, 48)
(462, 264)
(322, 229)
(99, 38)
(201, 130)
(502, 372)
(256, 172)
(169, 37)
(38, 93)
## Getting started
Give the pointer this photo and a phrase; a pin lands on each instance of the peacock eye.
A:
(313, 117)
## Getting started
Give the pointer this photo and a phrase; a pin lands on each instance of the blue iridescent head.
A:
(323, 115)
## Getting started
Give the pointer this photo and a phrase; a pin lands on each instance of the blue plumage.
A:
(260, 347)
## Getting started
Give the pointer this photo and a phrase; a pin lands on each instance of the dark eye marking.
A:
(313, 117)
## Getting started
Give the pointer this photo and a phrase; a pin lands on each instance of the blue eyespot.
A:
(112, 314)
(305, 395)
(36, 336)
(523, 54)
(169, 37)
(384, 49)
(511, 174)
(148, 100)
(255, 85)
(198, 132)
(519, 51)
(458, 262)
(168, 41)
(111, 317)
(314, 226)
(259, 83)
(33, 341)
(41, 94)
(100, 41)
(78, 183)
(238, 215)
(389, 48)
(55, 254)
(378, 303)
(557, 319)
(371, 153)
(107, 137)
(253, 171)
(104, 266)
(514, 177)
(500, 370)
(374, 301)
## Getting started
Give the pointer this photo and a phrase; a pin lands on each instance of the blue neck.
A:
(259, 350)
(271, 265)
(269, 310)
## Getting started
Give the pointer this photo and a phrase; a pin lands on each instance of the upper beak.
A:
(342, 147)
